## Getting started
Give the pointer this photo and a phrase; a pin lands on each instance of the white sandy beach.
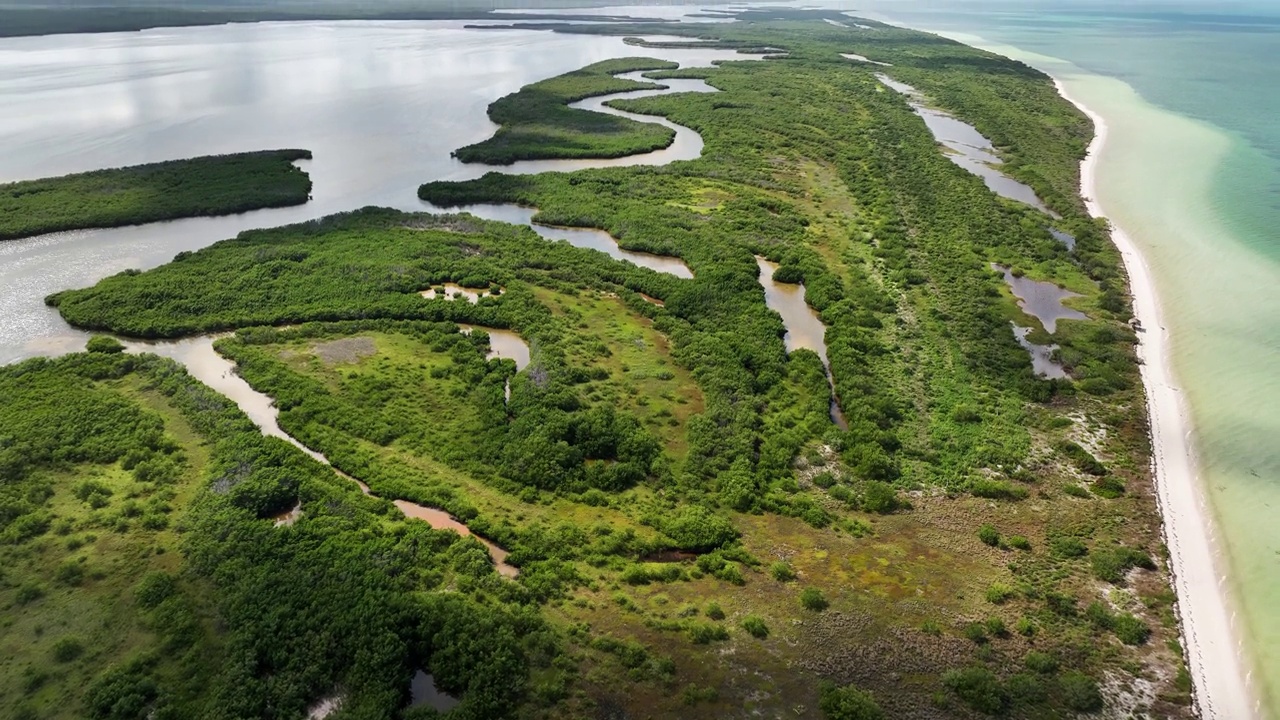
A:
(1212, 640)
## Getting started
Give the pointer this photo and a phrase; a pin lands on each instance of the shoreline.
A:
(1213, 645)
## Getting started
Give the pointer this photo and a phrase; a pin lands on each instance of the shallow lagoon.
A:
(1041, 300)
(965, 146)
(381, 104)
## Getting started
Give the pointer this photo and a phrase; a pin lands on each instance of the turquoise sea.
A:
(1191, 94)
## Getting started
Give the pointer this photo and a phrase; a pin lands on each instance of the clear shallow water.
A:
(381, 105)
(1191, 94)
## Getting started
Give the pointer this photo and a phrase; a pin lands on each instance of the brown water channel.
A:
(804, 328)
(197, 355)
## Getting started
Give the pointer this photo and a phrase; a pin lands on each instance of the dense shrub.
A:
(989, 535)
(67, 649)
(847, 703)
(1111, 564)
(782, 572)
(696, 528)
(812, 599)
(1080, 692)
(104, 344)
(755, 625)
(215, 185)
(1040, 662)
(978, 688)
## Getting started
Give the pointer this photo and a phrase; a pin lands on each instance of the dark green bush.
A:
(154, 588)
(880, 497)
(989, 535)
(1040, 662)
(755, 625)
(1028, 689)
(1068, 547)
(703, 633)
(1111, 564)
(782, 572)
(1080, 692)
(847, 703)
(104, 344)
(812, 599)
(67, 649)
(979, 688)
(1130, 630)
(1018, 542)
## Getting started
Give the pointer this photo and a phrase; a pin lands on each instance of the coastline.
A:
(1212, 642)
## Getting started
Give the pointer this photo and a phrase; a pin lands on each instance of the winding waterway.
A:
(380, 104)
(804, 327)
(207, 366)
(36, 266)
(355, 123)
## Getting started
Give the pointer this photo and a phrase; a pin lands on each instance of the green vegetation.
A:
(848, 703)
(659, 473)
(536, 121)
(756, 626)
(128, 626)
(812, 599)
(214, 185)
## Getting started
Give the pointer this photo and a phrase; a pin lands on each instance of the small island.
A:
(201, 186)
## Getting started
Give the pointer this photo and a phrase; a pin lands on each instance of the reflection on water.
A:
(1042, 361)
(1065, 238)
(423, 691)
(967, 147)
(381, 105)
(804, 328)
(504, 344)
(1041, 300)
(206, 365)
(863, 58)
(452, 291)
(589, 238)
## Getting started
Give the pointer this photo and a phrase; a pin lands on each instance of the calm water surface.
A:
(381, 105)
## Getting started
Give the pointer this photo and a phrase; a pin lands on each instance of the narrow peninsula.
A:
(212, 185)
